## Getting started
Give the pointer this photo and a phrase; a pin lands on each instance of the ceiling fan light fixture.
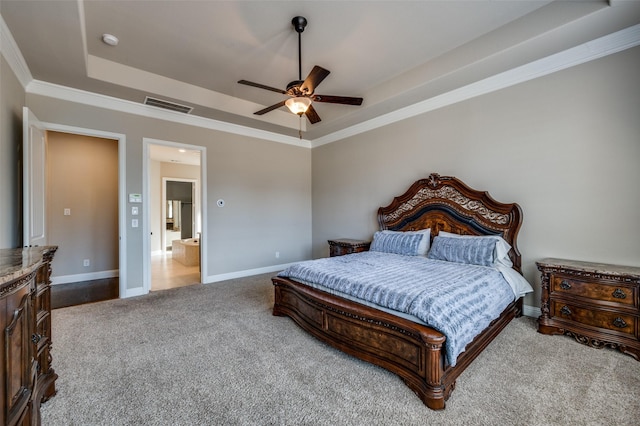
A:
(298, 105)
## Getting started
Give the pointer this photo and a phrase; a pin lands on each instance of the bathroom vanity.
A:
(186, 251)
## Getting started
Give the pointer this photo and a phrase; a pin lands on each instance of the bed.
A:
(404, 345)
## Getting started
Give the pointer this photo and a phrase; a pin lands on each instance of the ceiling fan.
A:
(301, 92)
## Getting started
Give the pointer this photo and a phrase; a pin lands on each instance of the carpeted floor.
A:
(214, 355)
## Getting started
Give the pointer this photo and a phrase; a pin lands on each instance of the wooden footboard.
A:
(412, 351)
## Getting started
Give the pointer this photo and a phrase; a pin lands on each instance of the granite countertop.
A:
(591, 267)
(15, 263)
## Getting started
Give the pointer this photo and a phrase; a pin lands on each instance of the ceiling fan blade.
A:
(262, 86)
(312, 115)
(314, 78)
(271, 108)
(346, 100)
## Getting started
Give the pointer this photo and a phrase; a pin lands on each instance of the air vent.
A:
(167, 105)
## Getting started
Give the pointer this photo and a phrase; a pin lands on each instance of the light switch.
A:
(67, 212)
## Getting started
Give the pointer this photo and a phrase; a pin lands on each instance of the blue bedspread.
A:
(456, 299)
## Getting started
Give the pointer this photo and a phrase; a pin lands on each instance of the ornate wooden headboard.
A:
(444, 203)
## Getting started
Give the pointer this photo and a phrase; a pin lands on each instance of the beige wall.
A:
(82, 176)
(266, 186)
(12, 97)
(566, 147)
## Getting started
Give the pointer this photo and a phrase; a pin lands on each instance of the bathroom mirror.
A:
(174, 215)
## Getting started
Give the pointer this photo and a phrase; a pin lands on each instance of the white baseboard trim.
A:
(246, 273)
(76, 278)
(531, 311)
(132, 292)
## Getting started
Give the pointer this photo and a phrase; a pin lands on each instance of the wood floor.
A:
(165, 274)
(70, 294)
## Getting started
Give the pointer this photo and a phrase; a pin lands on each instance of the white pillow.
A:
(501, 254)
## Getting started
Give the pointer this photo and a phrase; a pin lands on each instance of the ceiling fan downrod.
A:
(299, 23)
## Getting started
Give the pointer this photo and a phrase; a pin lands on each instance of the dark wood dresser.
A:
(344, 246)
(26, 375)
(597, 304)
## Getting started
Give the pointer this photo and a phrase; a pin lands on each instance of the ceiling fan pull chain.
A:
(300, 126)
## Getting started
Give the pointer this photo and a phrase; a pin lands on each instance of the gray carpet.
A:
(214, 355)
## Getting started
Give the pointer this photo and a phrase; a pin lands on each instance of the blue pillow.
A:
(406, 243)
(474, 251)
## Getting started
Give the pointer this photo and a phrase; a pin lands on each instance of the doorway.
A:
(179, 204)
(82, 217)
(46, 210)
(174, 192)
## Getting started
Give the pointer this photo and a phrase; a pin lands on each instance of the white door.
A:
(34, 150)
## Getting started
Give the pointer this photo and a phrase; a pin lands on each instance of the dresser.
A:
(27, 377)
(597, 304)
(344, 246)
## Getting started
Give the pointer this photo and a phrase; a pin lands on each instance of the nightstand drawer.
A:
(617, 294)
(607, 320)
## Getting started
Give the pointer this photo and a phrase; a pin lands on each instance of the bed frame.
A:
(414, 352)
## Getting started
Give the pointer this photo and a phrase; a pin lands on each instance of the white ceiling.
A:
(392, 53)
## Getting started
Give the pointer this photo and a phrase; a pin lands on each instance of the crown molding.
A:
(586, 52)
(11, 52)
(42, 88)
(595, 49)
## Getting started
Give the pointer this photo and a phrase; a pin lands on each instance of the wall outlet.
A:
(86, 262)
(277, 255)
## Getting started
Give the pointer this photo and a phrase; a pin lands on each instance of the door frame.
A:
(146, 192)
(122, 228)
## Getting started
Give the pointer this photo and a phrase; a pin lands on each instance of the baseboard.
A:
(132, 292)
(76, 278)
(531, 311)
(246, 273)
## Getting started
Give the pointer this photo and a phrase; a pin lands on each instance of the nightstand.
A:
(344, 246)
(597, 304)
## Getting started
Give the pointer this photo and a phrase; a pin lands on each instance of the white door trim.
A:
(146, 192)
(122, 205)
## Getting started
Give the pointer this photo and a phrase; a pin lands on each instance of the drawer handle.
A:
(619, 294)
(565, 310)
(619, 322)
(565, 285)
